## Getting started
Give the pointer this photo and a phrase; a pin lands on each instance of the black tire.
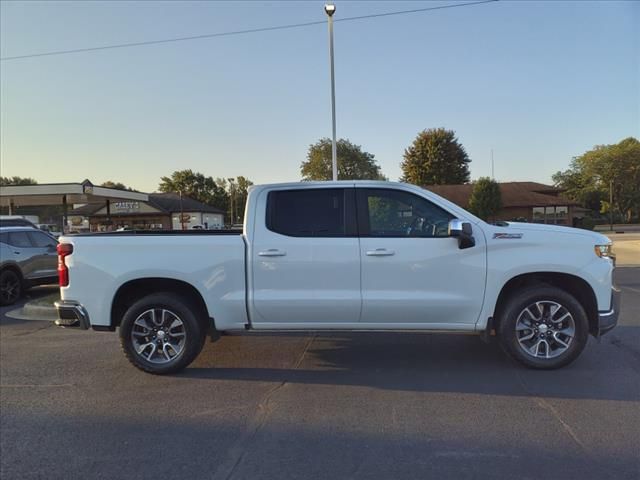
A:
(133, 336)
(515, 343)
(10, 287)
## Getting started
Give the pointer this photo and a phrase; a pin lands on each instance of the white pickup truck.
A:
(375, 256)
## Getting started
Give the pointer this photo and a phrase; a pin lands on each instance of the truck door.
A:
(412, 271)
(305, 258)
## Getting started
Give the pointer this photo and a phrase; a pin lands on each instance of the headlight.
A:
(603, 250)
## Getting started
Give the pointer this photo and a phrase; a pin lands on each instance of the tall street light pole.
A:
(181, 211)
(611, 205)
(330, 9)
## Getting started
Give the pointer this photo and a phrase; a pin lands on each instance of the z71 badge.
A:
(507, 235)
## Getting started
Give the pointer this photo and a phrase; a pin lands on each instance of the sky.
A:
(536, 82)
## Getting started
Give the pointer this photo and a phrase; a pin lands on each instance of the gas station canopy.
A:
(64, 194)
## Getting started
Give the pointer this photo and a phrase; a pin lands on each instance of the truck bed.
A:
(211, 261)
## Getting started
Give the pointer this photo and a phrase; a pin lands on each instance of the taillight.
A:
(64, 249)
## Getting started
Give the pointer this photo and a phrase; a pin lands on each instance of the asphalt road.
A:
(374, 406)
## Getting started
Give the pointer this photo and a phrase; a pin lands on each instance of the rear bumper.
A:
(608, 320)
(71, 315)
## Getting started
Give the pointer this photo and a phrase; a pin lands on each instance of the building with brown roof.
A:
(521, 201)
(164, 211)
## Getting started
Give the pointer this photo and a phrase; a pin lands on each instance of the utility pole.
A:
(231, 195)
(611, 205)
(330, 9)
(181, 211)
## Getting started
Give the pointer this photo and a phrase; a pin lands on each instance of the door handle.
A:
(272, 252)
(380, 252)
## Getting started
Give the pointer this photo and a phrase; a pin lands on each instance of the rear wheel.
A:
(543, 327)
(10, 287)
(161, 334)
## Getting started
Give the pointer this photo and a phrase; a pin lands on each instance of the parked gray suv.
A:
(28, 257)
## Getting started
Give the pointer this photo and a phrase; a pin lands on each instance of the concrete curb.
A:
(39, 309)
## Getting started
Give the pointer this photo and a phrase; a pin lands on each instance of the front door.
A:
(305, 259)
(412, 271)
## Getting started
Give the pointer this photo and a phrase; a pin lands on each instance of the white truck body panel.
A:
(546, 248)
(334, 283)
(317, 280)
(214, 265)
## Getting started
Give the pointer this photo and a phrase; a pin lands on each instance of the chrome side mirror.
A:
(463, 232)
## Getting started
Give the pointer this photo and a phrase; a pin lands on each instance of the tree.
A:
(116, 185)
(353, 163)
(218, 193)
(486, 200)
(11, 181)
(591, 175)
(238, 190)
(435, 158)
(191, 184)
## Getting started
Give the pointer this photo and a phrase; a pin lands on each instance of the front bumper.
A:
(608, 320)
(71, 315)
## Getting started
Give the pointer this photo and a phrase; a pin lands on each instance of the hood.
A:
(515, 227)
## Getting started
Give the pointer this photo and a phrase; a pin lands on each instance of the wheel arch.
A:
(133, 290)
(572, 284)
(14, 268)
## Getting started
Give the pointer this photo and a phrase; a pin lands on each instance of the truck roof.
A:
(331, 183)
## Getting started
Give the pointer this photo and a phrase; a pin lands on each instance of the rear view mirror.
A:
(463, 232)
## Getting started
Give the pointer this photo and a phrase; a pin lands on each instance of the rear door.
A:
(412, 271)
(21, 251)
(45, 256)
(305, 258)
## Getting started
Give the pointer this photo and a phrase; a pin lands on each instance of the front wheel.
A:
(160, 333)
(543, 327)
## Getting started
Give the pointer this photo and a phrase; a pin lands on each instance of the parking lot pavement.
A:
(626, 247)
(319, 406)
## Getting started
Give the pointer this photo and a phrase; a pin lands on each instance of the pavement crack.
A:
(264, 409)
(545, 405)
(555, 414)
(304, 351)
(30, 332)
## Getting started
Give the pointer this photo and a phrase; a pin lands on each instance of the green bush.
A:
(586, 223)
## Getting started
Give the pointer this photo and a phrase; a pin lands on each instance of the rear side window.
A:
(19, 239)
(323, 212)
(41, 240)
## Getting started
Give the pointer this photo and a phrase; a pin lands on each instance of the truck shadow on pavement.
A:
(609, 370)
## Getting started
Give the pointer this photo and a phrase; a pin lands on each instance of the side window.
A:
(41, 240)
(394, 213)
(327, 212)
(4, 237)
(19, 239)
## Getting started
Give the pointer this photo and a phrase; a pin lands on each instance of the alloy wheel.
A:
(10, 289)
(158, 335)
(545, 329)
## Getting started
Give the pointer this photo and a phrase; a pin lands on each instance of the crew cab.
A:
(346, 255)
